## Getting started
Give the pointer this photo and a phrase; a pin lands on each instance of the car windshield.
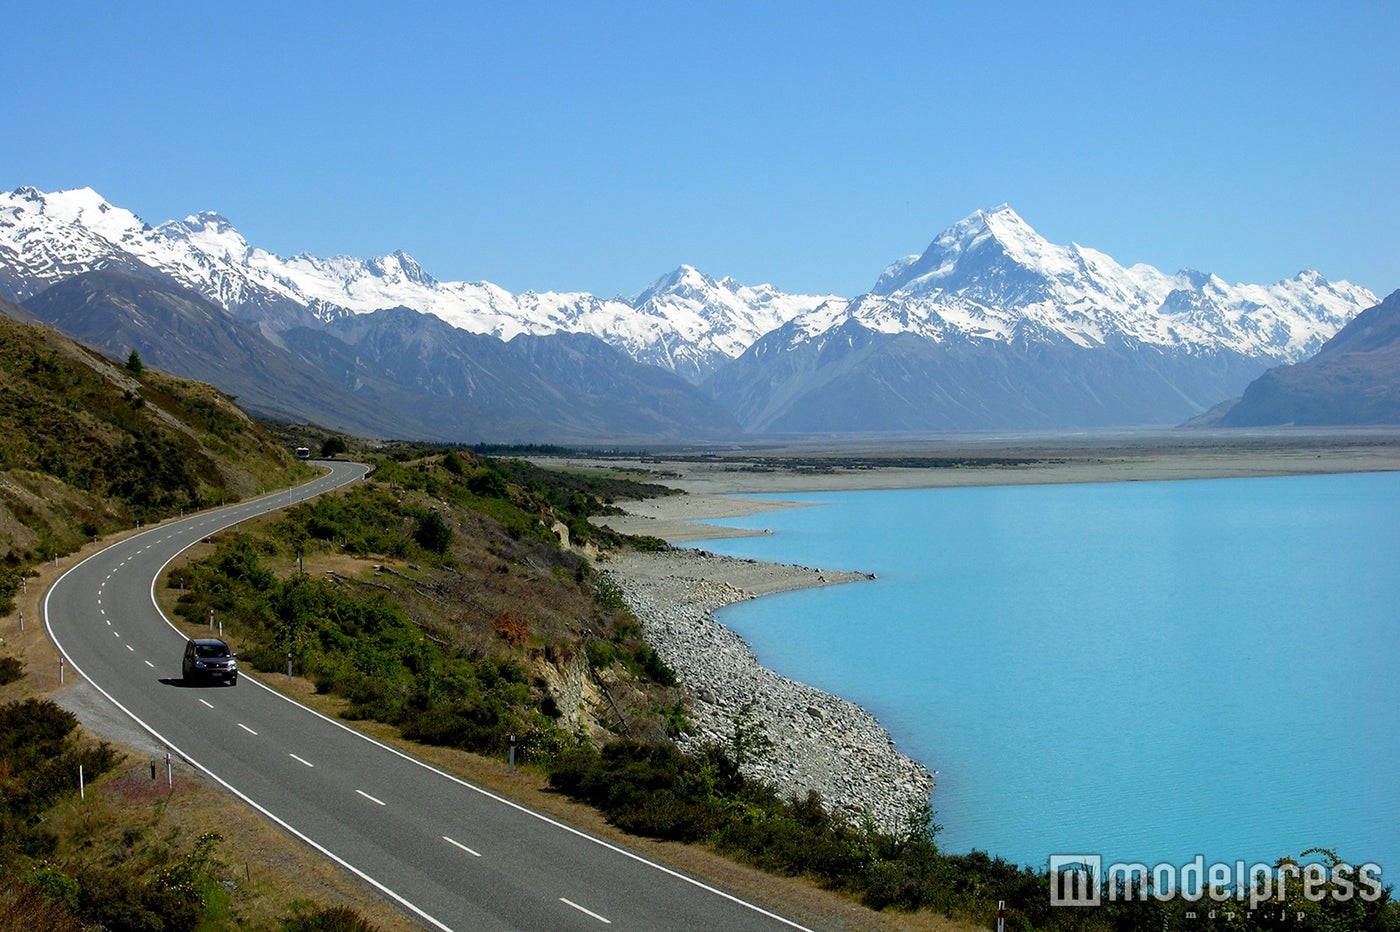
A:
(210, 650)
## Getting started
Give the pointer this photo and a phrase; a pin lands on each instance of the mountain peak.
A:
(684, 279)
(86, 208)
(1000, 229)
(209, 218)
(399, 265)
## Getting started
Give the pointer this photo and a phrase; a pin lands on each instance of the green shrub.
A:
(11, 669)
(39, 759)
(433, 533)
(608, 595)
(310, 918)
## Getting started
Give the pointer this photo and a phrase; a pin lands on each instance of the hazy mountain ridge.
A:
(393, 373)
(184, 334)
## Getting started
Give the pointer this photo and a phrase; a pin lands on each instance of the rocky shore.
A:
(818, 741)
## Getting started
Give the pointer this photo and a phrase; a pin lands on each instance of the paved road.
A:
(452, 854)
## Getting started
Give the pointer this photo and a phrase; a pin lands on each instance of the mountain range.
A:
(991, 326)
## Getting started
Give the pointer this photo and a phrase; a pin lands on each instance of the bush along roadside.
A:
(63, 882)
(436, 597)
(701, 796)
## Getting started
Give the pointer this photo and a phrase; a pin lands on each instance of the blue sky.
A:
(596, 146)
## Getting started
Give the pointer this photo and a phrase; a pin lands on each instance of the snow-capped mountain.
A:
(685, 321)
(88, 234)
(990, 326)
(997, 327)
(990, 276)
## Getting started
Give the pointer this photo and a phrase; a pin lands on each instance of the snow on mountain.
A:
(993, 327)
(40, 246)
(716, 320)
(991, 276)
(55, 236)
(685, 321)
(988, 277)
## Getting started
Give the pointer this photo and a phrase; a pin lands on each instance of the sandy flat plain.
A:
(710, 477)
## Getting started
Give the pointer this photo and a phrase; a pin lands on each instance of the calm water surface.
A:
(1149, 671)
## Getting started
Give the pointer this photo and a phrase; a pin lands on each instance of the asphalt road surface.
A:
(453, 855)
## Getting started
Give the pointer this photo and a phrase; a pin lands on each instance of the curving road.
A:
(450, 853)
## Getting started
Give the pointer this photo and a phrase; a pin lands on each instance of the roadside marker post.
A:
(1001, 915)
(512, 753)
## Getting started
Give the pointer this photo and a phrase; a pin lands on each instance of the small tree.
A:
(334, 446)
(433, 533)
(134, 365)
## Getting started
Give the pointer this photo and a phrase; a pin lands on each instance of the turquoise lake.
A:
(1147, 670)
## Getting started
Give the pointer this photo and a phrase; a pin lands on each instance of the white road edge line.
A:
(455, 779)
(586, 912)
(445, 775)
(301, 760)
(396, 897)
(453, 841)
(369, 797)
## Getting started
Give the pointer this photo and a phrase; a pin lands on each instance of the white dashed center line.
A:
(207, 704)
(452, 841)
(246, 728)
(301, 761)
(369, 797)
(586, 912)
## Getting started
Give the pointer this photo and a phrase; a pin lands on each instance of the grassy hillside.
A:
(436, 597)
(88, 446)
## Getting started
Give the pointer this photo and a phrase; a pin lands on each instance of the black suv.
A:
(209, 659)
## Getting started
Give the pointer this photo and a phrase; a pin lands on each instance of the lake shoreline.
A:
(817, 741)
(676, 593)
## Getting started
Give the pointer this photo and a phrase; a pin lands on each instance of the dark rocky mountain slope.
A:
(1353, 379)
